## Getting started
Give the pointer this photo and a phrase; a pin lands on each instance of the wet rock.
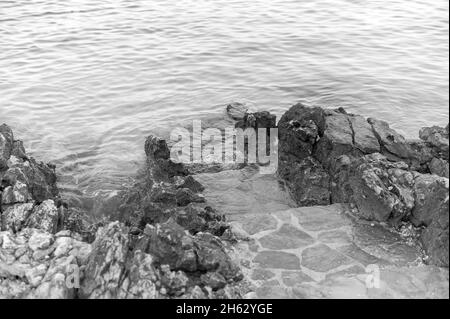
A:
(257, 120)
(159, 164)
(190, 183)
(185, 196)
(237, 111)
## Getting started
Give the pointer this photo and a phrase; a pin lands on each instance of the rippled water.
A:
(84, 81)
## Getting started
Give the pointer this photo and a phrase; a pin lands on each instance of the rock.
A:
(16, 194)
(308, 181)
(213, 257)
(298, 131)
(322, 258)
(431, 193)
(169, 244)
(214, 280)
(438, 138)
(159, 164)
(336, 139)
(382, 190)
(394, 145)
(45, 217)
(363, 137)
(257, 120)
(439, 167)
(190, 183)
(40, 241)
(39, 178)
(185, 196)
(6, 145)
(103, 274)
(435, 237)
(16, 216)
(237, 111)
(277, 260)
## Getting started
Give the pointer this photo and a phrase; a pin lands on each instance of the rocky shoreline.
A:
(164, 241)
(331, 156)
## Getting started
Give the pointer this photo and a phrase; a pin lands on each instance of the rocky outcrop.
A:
(37, 264)
(331, 156)
(166, 243)
(28, 191)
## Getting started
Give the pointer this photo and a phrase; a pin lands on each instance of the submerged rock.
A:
(237, 111)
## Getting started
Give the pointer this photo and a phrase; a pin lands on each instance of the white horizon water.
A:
(84, 82)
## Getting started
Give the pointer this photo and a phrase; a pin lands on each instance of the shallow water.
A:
(82, 82)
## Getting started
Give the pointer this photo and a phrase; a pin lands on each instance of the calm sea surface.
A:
(82, 82)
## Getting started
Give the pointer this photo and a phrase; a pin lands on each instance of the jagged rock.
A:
(438, 137)
(257, 120)
(382, 190)
(16, 216)
(6, 145)
(25, 274)
(394, 145)
(16, 194)
(170, 245)
(308, 181)
(432, 211)
(300, 126)
(431, 192)
(185, 196)
(237, 111)
(435, 238)
(106, 264)
(159, 164)
(213, 257)
(46, 217)
(190, 183)
(336, 139)
(439, 167)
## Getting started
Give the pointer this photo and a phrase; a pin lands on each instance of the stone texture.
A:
(295, 278)
(254, 224)
(277, 260)
(322, 258)
(287, 237)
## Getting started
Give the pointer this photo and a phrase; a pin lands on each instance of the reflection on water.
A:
(83, 82)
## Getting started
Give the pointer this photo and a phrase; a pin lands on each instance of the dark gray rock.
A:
(393, 145)
(308, 181)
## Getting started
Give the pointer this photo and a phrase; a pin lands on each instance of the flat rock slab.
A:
(320, 218)
(287, 237)
(277, 260)
(295, 278)
(322, 258)
(255, 223)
